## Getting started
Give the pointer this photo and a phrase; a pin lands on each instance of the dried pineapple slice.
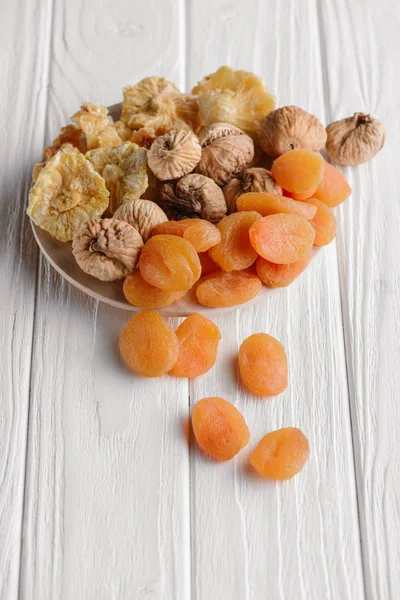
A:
(187, 109)
(97, 125)
(155, 103)
(36, 170)
(145, 136)
(124, 132)
(124, 170)
(67, 193)
(68, 135)
(237, 97)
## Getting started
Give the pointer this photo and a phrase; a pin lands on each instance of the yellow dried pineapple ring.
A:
(155, 103)
(67, 193)
(68, 135)
(124, 170)
(97, 125)
(124, 132)
(236, 97)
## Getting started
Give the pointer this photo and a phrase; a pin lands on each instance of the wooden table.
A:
(100, 496)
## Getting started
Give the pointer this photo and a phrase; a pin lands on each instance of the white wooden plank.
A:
(23, 73)
(107, 498)
(250, 538)
(369, 250)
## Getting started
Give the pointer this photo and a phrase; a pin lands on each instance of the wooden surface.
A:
(101, 497)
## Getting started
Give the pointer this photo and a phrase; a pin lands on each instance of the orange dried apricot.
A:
(303, 196)
(282, 239)
(333, 189)
(219, 428)
(298, 170)
(281, 454)
(170, 228)
(207, 264)
(148, 345)
(202, 234)
(277, 276)
(144, 295)
(169, 263)
(271, 204)
(222, 289)
(235, 252)
(263, 365)
(324, 223)
(198, 344)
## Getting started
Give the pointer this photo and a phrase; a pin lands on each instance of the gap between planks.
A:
(329, 119)
(47, 46)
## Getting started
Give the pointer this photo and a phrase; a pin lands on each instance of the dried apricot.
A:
(148, 345)
(282, 239)
(303, 196)
(298, 170)
(333, 189)
(263, 365)
(235, 252)
(271, 204)
(221, 289)
(144, 295)
(169, 263)
(198, 344)
(170, 228)
(207, 264)
(202, 234)
(277, 276)
(281, 454)
(219, 428)
(324, 223)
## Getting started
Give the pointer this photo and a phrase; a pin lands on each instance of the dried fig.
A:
(124, 170)
(290, 128)
(250, 180)
(97, 125)
(355, 140)
(107, 249)
(142, 214)
(174, 154)
(225, 151)
(178, 207)
(194, 195)
(157, 103)
(154, 188)
(237, 97)
(67, 193)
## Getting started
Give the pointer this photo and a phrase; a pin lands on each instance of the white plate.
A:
(60, 256)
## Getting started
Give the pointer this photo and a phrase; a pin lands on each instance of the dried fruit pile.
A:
(175, 195)
(150, 348)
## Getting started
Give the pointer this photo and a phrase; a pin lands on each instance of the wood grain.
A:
(369, 250)
(107, 487)
(23, 75)
(114, 503)
(251, 538)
